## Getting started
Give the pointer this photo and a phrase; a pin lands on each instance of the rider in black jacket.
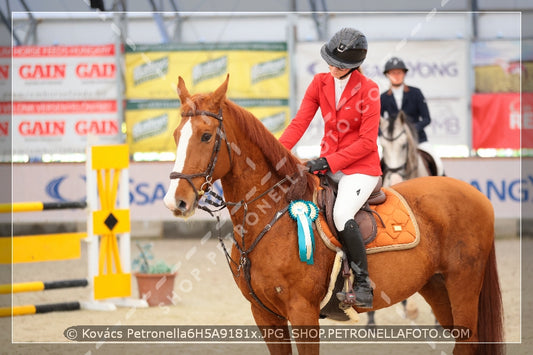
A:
(410, 100)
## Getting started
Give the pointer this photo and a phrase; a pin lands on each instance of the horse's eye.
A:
(206, 137)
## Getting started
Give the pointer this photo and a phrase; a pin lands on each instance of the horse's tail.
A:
(490, 311)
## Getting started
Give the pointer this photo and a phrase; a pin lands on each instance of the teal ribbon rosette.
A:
(304, 213)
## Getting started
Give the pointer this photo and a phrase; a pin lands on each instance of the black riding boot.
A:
(355, 250)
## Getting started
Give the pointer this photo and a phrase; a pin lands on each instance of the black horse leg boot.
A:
(352, 240)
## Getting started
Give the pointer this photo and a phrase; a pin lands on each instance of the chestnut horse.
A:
(453, 267)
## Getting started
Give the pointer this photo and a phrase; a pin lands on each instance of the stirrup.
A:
(349, 299)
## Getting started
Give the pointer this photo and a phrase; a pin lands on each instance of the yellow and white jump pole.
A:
(34, 206)
(108, 225)
(108, 238)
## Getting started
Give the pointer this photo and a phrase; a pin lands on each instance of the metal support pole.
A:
(118, 22)
(7, 23)
(472, 19)
(291, 49)
(177, 37)
(32, 30)
(160, 23)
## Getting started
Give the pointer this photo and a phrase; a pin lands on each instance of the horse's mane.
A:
(411, 165)
(279, 157)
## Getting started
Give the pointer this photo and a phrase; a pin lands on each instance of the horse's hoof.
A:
(411, 311)
(370, 325)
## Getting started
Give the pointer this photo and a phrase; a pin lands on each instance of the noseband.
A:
(401, 167)
(208, 173)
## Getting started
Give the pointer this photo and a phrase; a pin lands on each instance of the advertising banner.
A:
(499, 179)
(498, 66)
(257, 70)
(151, 123)
(5, 129)
(64, 73)
(5, 70)
(63, 126)
(259, 81)
(439, 69)
(496, 121)
(508, 188)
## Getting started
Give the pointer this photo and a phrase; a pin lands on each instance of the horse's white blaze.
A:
(181, 154)
(394, 152)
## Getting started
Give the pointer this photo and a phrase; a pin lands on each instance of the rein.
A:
(244, 262)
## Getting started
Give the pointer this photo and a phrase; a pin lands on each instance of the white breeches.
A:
(353, 192)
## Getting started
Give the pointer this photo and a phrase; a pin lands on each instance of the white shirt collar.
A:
(340, 85)
(397, 92)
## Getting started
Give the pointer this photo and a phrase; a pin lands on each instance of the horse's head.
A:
(398, 142)
(201, 157)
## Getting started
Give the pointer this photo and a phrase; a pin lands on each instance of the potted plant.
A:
(154, 280)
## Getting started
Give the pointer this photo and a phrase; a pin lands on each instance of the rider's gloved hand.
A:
(317, 165)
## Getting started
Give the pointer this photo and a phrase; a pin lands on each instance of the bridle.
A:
(244, 262)
(401, 167)
(392, 139)
(208, 173)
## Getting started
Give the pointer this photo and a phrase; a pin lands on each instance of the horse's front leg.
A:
(275, 331)
(305, 326)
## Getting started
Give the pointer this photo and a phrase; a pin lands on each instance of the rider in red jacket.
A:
(350, 106)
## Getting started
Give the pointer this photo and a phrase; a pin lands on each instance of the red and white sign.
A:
(63, 126)
(63, 73)
(527, 120)
(5, 68)
(5, 129)
(496, 121)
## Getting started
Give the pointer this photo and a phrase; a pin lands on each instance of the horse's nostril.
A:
(182, 205)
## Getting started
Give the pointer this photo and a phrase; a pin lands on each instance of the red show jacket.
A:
(350, 133)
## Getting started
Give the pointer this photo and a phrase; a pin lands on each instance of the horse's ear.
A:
(183, 93)
(220, 94)
(402, 116)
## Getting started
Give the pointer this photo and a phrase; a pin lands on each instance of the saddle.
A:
(364, 217)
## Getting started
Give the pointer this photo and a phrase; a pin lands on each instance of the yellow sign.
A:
(150, 124)
(259, 81)
(257, 70)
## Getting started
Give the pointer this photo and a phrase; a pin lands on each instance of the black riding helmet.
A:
(395, 63)
(346, 49)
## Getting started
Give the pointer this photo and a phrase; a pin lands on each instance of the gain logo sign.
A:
(53, 188)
